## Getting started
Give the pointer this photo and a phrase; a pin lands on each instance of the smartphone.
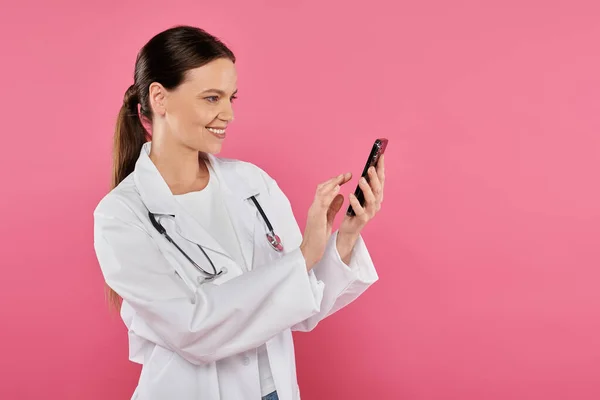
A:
(377, 150)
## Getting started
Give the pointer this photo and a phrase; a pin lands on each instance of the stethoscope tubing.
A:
(272, 238)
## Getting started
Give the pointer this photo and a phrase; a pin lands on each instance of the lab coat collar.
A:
(158, 199)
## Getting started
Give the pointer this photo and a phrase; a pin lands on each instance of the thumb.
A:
(334, 207)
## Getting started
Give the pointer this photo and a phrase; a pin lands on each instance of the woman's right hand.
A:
(320, 218)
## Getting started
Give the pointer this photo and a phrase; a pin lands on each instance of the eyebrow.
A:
(219, 91)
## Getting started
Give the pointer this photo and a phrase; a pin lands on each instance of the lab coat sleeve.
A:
(339, 283)
(343, 283)
(213, 321)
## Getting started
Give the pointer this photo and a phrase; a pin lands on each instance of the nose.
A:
(227, 113)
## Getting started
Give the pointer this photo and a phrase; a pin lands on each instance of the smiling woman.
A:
(190, 74)
(201, 106)
(208, 302)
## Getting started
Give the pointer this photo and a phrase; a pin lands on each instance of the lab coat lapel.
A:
(236, 193)
(158, 199)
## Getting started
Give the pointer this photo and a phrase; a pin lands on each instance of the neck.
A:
(181, 167)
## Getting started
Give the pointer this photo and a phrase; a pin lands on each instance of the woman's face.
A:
(197, 112)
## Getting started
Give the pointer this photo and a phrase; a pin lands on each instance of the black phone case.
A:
(376, 151)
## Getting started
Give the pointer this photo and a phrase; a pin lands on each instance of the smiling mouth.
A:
(216, 131)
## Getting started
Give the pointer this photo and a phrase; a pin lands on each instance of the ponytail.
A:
(130, 136)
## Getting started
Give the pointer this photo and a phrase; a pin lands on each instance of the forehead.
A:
(218, 74)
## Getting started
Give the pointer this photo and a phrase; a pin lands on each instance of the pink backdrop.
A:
(487, 245)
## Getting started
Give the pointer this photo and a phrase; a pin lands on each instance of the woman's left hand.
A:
(373, 194)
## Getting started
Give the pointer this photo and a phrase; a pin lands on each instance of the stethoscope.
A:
(272, 238)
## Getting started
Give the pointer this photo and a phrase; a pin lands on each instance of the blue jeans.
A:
(271, 396)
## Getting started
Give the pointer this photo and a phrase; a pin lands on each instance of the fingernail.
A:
(363, 180)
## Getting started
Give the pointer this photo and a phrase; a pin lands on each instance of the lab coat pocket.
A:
(165, 375)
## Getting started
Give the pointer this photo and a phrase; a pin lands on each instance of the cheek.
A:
(191, 117)
(205, 117)
(199, 117)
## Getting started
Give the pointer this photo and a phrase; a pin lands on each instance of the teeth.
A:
(217, 131)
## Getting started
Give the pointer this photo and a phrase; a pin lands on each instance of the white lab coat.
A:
(197, 340)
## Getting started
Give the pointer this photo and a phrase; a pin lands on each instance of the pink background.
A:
(487, 245)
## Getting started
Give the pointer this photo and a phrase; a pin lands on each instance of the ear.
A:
(157, 97)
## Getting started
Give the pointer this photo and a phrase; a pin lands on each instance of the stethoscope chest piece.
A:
(272, 238)
(275, 241)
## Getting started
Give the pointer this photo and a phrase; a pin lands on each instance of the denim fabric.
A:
(271, 396)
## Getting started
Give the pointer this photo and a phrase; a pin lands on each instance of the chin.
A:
(212, 149)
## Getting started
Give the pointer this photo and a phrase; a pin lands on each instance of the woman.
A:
(188, 241)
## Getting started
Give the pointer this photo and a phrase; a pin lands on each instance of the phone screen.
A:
(376, 151)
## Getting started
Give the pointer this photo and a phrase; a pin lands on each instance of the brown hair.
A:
(164, 59)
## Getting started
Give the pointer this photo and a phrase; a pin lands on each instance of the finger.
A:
(374, 182)
(381, 170)
(360, 212)
(370, 200)
(327, 191)
(381, 161)
(328, 181)
(331, 183)
(347, 177)
(324, 200)
(327, 197)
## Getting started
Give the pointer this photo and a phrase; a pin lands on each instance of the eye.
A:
(233, 98)
(212, 99)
